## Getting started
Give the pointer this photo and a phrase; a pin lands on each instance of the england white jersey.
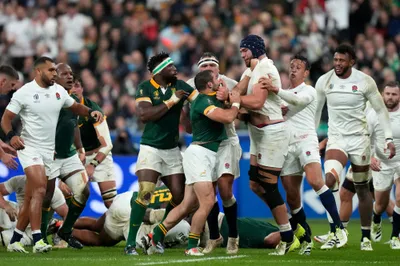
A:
(272, 105)
(346, 101)
(378, 136)
(17, 184)
(39, 109)
(300, 118)
(230, 83)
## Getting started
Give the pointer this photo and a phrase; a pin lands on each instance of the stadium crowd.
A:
(108, 42)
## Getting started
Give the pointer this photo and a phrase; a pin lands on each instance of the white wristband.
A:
(247, 72)
(174, 99)
(237, 105)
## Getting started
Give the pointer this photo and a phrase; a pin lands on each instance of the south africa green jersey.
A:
(89, 137)
(163, 133)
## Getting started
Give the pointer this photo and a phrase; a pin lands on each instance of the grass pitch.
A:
(99, 256)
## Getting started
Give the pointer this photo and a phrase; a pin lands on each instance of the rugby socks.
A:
(74, 211)
(377, 218)
(17, 236)
(169, 207)
(286, 232)
(230, 210)
(345, 223)
(212, 221)
(328, 201)
(193, 241)
(300, 217)
(138, 210)
(365, 232)
(36, 235)
(159, 233)
(45, 223)
(396, 221)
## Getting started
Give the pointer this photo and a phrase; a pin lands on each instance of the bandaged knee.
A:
(109, 194)
(335, 168)
(146, 190)
(272, 195)
(228, 203)
(78, 184)
(360, 178)
(156, 216)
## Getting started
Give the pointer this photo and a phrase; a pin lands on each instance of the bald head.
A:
(64, 76)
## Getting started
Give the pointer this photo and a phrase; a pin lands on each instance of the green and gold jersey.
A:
(206, 132)
(163, 133)
(160, 197)
(66, 124)
(251, 232)
(86, 126)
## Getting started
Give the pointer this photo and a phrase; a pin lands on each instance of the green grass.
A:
(349, 255)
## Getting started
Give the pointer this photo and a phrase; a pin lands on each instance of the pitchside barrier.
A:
(248, 203)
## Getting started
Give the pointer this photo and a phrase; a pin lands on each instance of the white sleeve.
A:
(376, 101)
(321, 98)
(300, 99)
(68, 100)
(190, 82)
(267, 70)
(16, 104)
(11, 185)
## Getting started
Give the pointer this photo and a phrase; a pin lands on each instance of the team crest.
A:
(308, 153)
(173, 90)
(227, 165)
(354, 88)
(259, 156)
(330, 86)
(58, 96)
(156, 95)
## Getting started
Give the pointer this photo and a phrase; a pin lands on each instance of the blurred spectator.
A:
(122, 144)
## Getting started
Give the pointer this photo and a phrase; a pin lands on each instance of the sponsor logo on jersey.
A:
(330, 86)
(58, 96)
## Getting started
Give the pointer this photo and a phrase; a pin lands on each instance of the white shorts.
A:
(165, 162)
(384, 179)
(301, 153)
(104, 171)
(178, 235)
(58, 199)
(357, 148)
(228, 157)
(114, 225)
(199, 164)
(269, 144)
(63, 167)
(30, 156)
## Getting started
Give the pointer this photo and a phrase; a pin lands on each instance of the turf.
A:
(349, 255)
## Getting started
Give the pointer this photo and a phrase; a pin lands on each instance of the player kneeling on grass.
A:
(208, 118)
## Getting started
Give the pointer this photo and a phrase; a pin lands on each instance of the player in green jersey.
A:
(97, 145)
(159, 105)
(208, 118)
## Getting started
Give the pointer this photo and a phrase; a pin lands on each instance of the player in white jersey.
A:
(8, 80)
(386, 172)
(347, 91)
(303, 153)
(38, 103)
(228, 157)
(269, 137)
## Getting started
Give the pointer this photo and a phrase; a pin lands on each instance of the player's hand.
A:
(8, 149)
(181, 94)
(90, 170)
(322, 145)
(284, 109)
(392, 149)
(65, 189)
(11, 212)
(97, 115)
(234, 97)
(17, 143)
(222, 92)
(253, 63)
(375, 164)
(9, 161)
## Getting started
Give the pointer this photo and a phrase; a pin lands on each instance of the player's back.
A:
(272, 105)
(346, 101)
(300, 119)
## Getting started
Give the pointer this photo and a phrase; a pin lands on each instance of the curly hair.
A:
(155, 60)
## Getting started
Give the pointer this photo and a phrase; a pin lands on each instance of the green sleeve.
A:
(142, 93)
(204, 105)
(184, 86)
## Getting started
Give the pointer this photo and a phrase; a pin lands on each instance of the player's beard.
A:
(46, 80)
(391, 104)
(171, 79)
(345, 69)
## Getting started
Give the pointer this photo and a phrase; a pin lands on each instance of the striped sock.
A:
(159, 233)
(193, 240)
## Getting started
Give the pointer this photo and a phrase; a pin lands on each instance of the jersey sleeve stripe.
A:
(143, 99)
(193, 95)
(209, 109)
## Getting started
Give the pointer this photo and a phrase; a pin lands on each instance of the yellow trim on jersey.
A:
(98, 123)
(83, 101)
(193, 96)
(211, 93)
(154, 83)
(143, 99)
(209, 108)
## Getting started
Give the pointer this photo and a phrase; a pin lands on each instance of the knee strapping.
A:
(109, 195)
(78, 184)
(253, 173)
(333, 167)
(272, 195)
(268, 172)
(349, 185)
(360, 178)
(146, 190)
(229, 203)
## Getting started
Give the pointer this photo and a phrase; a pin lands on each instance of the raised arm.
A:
(225, 116)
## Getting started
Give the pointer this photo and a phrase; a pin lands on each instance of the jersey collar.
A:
(211, 93)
